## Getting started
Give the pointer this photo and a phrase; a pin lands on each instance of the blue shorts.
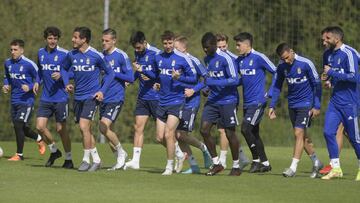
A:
(21, 112)
(162, 112)
(300, 117)
(85, 109)
(146, 108)
(110, 110)
(188, 119)
(224, 115)
(253, 114)
(48, 109)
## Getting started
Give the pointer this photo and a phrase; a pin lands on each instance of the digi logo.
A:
(51, 67)
(84, 68)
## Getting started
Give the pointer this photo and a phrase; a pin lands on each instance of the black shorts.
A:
(85, 109)
(253, 114)
(162, 112)
(21, 112)
(110, 110)
(48, 109)
(224, 115)
(300, 117)
(146, 108)
(188, 119)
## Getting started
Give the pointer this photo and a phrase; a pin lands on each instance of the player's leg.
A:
(169, 135)
(224, 145)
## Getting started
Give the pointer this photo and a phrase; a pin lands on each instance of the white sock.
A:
(223, 156)
(216, 160)
(38, 138)
(236, 163)
(136, 154)
(335, 163)
(256, 160)
(119, 149)
(203, 147)
(95, 155)
(68, 156)
(192, 161)
(52, 147)
(294, 164)
(170, 164)
(20, 154)
(86, 156)
(266, 163)
(179, 154)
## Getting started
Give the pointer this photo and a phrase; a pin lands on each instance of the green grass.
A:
(29, 181)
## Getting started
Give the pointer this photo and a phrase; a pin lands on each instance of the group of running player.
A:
(171, 83)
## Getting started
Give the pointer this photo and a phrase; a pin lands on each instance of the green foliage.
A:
(271, 22)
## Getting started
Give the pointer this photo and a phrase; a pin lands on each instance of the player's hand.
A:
(55, 75)
(137, 67)
(326, 69)
(324, 77)
(156, 86)
(189, 92)
(327, 84)
(144, 77)
(99, 96)
(127, 84)
(6, 89)
(25, 88)
(36, 88)
(314, 112)
(69, 88)
(175, 74)
(272, 114)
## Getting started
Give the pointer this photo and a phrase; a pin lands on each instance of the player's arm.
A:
(190, 76)
(276, 90)
(6, 87)
(349, 75)
(230, 69)
(109, 74)
(126, 74)
(315, 83)
(270, 67)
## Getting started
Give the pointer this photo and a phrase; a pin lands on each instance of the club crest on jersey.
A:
(112, 62)
(56, 58)
(146, 58)
(285, 72)
(21, 68)
(251, 62)
(173, 63)
(88, 61)
(299, 70)
(160, 62)
(9, 68)
(329, 58)
(217, 64)
(339, 61)
(42, 58)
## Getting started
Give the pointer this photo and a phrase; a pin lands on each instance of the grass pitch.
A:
(28, 181)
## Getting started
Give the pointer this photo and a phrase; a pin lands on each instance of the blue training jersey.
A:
(86, 68)
(121, 65)
(304, 86)
(222, 78)
(147, 60)
(172, 91)
(344, 75)
(21, 71)
(50, 62)
(252, 68)
(200, 71)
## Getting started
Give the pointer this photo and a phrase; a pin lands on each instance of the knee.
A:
(103, 128)
(245, 129)
(40, 128)
(299, 133)
(204, 131)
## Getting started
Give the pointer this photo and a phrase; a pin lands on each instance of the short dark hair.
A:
(222, 37)
(137, 37)
(208, 39)
(182, 39)
(167, 35)
(17, 42)
(51, 30)
(84, 32)
(335, 30)
(111, 32)
(281, 48)
(243, 36)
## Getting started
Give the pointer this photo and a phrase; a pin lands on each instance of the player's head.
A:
(222, 41)
(181, 43)
(244, 41)
(81, 36)
(286, 53)
(108, 39)
(167, 39)
(51, 36)
(332, 36)
(138, 41)
(17, 48)
(208, 42)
